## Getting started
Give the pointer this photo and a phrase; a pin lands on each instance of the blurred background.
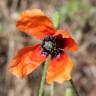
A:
(77, 17)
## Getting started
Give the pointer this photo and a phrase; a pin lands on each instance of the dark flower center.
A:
(53, 45)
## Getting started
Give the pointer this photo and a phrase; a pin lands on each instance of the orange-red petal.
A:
(69, 43)
(26, 61)
(59, 69)
(35, 23)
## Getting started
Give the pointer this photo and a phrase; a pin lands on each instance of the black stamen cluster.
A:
(53, 45)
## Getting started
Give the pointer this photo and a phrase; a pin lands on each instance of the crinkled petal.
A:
(69, 42)
(35, 23)
(59, 69)
(26, 61)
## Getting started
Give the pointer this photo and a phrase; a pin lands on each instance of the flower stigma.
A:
(52, 45)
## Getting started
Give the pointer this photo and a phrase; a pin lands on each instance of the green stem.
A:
(75, 90)
(52, 89)
(44, 75)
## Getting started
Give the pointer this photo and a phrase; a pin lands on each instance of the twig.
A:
(23, 4)
(14, 5)
(4, 10)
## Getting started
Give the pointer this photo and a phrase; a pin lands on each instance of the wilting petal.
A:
(69, 43)
(34, 22)
(59, 69)
(26, 61)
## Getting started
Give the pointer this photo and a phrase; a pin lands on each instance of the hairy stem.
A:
(52, 89)
(75, 90)
(44, 75)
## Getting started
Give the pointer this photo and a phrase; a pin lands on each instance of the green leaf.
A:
(56, 18)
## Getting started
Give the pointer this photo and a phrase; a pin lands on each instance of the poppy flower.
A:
(54, 42)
